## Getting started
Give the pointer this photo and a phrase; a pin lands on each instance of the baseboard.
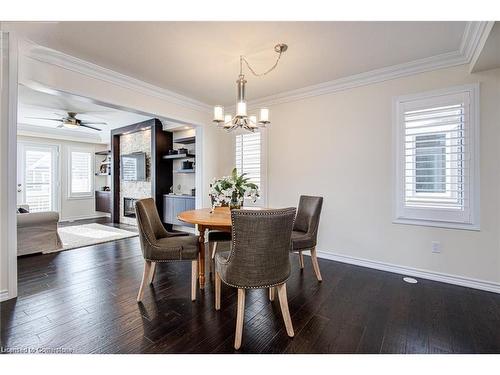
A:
(415, 272)
(4, 295)
(84, 217)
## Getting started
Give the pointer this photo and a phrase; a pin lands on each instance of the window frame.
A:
(262, 201)
(438, 217)
(83, 195)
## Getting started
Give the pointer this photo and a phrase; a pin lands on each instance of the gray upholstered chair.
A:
(305, 230)
(159, 245)
(216, 237)
(259, 258)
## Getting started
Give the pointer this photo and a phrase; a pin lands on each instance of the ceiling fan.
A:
(70, 121)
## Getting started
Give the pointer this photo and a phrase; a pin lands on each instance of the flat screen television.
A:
(133, 167)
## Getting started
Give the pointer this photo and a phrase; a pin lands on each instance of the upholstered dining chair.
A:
(259, 258)
(216, 237)
(305, 230)
(160, 245)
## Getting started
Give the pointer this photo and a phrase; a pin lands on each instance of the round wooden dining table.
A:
(205, 218)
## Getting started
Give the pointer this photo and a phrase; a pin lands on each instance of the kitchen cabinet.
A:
(173, 205)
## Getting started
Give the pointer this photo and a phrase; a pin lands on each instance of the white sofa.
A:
(37, 232)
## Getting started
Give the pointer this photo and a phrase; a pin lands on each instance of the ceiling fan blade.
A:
(45, 118)
(90, 127)
(94, 123)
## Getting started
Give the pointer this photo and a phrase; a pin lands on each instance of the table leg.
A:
(201, 257)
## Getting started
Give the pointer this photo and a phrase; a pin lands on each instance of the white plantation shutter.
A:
(80, 173)
(436, 157)
(248, 156)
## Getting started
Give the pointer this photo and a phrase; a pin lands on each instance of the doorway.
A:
(37, 177)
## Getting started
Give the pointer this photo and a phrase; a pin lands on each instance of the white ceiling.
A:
(200, 59)
(38, 104)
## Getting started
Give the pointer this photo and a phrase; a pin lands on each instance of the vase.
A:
(236, 202)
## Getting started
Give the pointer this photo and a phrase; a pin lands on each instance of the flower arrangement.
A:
(231, 190)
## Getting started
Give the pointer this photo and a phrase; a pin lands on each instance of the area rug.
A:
(76, 236)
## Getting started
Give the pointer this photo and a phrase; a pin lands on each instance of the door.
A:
(37, 177)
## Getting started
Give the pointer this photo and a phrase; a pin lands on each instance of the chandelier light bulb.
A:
(218, 113)
(264, 115)
(253, 121)
(228, 121)
(241, 109)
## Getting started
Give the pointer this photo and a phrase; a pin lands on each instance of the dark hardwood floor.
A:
(83, 301)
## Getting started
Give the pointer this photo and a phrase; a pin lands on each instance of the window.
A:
(436, 157)
(80, 171)
(249, 160)
(37, 176)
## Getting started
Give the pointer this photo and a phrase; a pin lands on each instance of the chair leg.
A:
(152, 273)
(239, 318)
(284, 309)
(217, 291)
(301, 260)
(214, 249)
(145, 278)
(194, 279)
(212, 256)
(271, 293)
(314, 260)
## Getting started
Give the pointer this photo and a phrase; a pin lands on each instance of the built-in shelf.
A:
(179, 156)
(185, 171)
(105, 152)
(185, 141)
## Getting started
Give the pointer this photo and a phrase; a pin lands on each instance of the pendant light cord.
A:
(243, 59)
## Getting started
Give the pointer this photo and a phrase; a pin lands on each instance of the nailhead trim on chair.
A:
(251, 213)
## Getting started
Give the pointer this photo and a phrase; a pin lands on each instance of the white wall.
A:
(70, 209)
(339, 146)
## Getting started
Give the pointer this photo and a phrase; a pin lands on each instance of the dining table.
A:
(208, 219)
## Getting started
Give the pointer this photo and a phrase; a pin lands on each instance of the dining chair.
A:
(258, 258)
(160, 245)
(214, 238)
(305, 230)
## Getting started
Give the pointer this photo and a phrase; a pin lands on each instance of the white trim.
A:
(198, 176)
(469, 44)
(4, 295)
(468, 282)
(436, 218)
(62, 60)
(480, 45)
(471, 40)
(12, 165)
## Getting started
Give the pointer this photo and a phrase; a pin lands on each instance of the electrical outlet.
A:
(436, 247)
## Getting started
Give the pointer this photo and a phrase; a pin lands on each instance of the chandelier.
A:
(242, 119)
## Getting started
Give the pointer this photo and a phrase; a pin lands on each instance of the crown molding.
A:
(479, 44)
(469, 44)
(65, 61)
(472, 40)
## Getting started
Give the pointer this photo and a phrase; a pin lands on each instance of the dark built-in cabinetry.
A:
(103, 201)
(159, 170)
